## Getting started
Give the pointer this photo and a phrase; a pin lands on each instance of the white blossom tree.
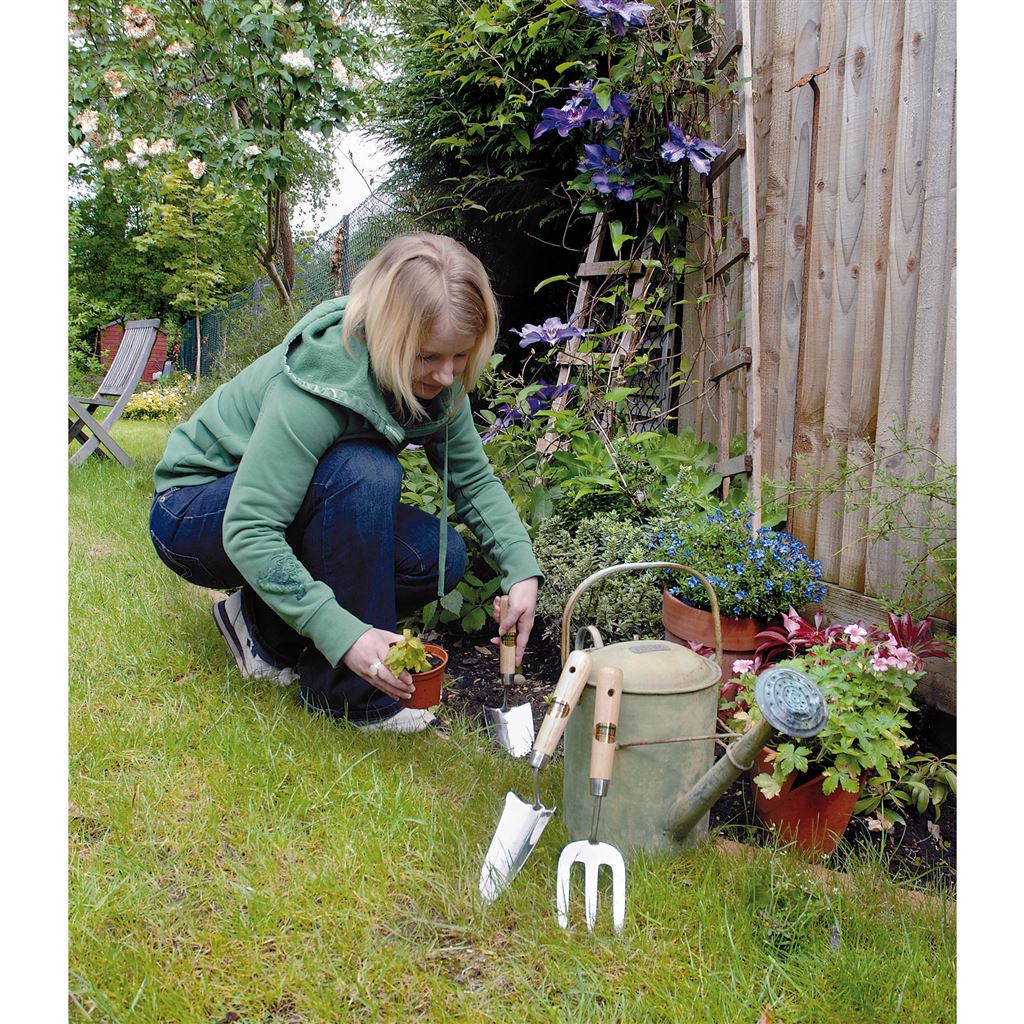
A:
(245, 94)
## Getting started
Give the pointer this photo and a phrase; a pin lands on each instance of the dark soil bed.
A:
(923, 852)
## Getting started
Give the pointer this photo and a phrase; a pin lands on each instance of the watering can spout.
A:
(791, 704)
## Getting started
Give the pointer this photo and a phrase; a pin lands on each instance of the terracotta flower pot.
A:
(428, 684)
(683, 622)
(803, 814)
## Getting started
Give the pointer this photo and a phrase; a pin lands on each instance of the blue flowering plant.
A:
(755, 573)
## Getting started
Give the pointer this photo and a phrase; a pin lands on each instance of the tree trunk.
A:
(279, 239)
(287, 245)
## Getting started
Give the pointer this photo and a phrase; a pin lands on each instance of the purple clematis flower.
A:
(550, 331)
(564, 119)
(540, 399)
(681, 146)
(618, 108)
(606, 173)
(620, 13)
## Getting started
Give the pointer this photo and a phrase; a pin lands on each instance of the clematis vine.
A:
(607, 175)
(681, 146)
(509, 414)
(618, 107)
(619, 13)
(549, 332)
(584, 106)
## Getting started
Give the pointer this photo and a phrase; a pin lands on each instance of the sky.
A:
(359, 162)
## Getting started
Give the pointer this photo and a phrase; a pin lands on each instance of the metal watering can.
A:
(666, 776)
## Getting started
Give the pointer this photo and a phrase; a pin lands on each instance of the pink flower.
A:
(856, 632)
(742, 665)
(197, 167)
(879, 664)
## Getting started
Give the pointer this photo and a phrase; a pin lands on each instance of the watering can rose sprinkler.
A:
(664, 754)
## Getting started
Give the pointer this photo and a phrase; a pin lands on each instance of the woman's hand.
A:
(368, 653)
(522, 607)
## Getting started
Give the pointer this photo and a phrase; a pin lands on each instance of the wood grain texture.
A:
(775, 30)
(884, 29)
(805, 58)
(818, 270)
(903, 272)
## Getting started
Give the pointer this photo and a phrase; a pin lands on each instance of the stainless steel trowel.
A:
(511, 728)
(522, 823)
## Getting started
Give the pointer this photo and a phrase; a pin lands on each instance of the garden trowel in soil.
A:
(522, 823)
(511, 728)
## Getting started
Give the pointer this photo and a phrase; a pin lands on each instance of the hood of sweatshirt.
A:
(316, 360)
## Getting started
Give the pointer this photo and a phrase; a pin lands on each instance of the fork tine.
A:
(591, 872)
(565, 862)
(618, 887)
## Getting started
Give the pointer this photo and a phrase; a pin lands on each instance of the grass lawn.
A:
(233, 858)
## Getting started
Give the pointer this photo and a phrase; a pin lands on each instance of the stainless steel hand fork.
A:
(592, 854)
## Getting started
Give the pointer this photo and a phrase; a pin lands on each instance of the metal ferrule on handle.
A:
(608, 697)
(626, 567)
(575, 673)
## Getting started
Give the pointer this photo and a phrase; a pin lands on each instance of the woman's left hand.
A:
(522, 607)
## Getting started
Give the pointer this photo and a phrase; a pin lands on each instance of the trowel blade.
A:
(519, 828)
(511, 728)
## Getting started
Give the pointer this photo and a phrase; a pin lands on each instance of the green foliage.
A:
(246, 93)
(469, 604)
(922, 783)
(866, 732)
(625, 606)
(251, 331)
(407, 655)
(202, 236)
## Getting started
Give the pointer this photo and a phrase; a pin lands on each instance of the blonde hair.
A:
(413, 283)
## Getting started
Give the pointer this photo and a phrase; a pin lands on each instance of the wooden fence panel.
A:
(920, 35)
(817, 354)
(868, 117)
(878, 306)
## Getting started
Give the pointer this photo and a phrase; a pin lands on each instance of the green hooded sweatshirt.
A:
(274, 421)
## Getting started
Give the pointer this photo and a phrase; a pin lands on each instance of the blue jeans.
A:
(378, 556)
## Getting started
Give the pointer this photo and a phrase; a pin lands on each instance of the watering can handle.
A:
(626, 567)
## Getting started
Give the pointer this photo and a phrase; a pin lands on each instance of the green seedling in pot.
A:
(408, 654)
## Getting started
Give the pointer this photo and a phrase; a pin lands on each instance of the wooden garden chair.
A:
(115, 391)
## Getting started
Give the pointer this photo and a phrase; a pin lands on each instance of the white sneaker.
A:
(407, 720)
(232, 625)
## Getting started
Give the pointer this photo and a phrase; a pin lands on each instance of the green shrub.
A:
(165, 400)
(623, 607)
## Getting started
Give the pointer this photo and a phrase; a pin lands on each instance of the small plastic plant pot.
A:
(428, 684)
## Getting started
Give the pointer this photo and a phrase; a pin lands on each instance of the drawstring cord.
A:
(442, 544)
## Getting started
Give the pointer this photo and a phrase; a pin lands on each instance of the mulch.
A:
(921, 852)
